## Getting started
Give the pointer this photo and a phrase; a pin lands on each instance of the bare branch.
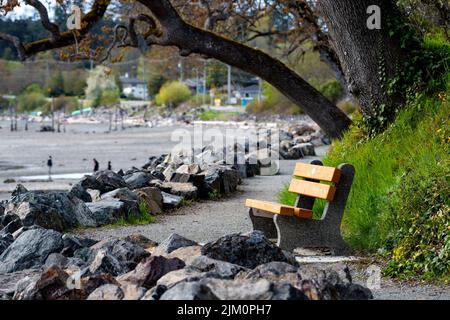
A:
(51, 27)
(16, 42)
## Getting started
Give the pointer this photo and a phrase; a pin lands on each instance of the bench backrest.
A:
(311, 178)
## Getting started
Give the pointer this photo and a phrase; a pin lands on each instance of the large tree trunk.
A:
(369, 58)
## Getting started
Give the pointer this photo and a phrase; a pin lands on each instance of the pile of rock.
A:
(44, 264)
(106, 196)
(300, 140)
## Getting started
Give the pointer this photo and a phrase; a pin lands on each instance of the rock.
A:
(330, 283)
(173, 242)
(51, 210)
(132, 292)
(30, 250)
(220, 289)
(138, 180)
(150, 270)
(5, 241)
(141, 241)
(189, 169)
(274, 272)
(78, 191)
(122, 194)
(158, 175)
(171, 201)
(284, 135)
(46, 128)
(301, 129)
(187, 254)
(56, 259)
(246, 250)
(153, 198)
(307, 149)
(115, 256)
(94, 194)
(18, 190)
(11, 223)
(225, 270)
(189, 291)
(107, 211)
(185, 190)
(104, 181)
(168, 172)
(107, 292)
(72, 243)
(220, 179)
(50, 285)
(252, 290)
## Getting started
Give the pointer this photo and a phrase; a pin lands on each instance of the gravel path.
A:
(208, 220)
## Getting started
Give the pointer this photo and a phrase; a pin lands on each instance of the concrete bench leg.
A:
(295, 233)
(263, 222)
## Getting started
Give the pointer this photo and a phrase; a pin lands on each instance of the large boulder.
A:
(246, 250)
(115, 257)
(104, 181)
(220, 289)
(172, 243)
(50, 210)
(171, 201)
(220, 179)
(5, 241)
(186, 190)
(107, 292)
(138, 180)
(107, 211)
(152, 197)
(30, 250)
(150, 270)
(78, 191)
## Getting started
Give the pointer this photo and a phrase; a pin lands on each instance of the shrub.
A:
(332, 89)
(273, 102)
(172, 94)
(32, 98)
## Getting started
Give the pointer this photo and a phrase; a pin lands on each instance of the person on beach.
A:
(50, 165)
(109, 165)
(96, 165)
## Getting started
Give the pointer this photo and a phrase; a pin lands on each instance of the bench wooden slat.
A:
(276, 208)
(312, 189)
(314, 172)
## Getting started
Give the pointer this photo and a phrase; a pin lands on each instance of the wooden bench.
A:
(294, 226)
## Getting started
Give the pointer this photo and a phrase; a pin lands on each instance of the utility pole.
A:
(53, 114)
(229, 84)
(11, 116)
(204, 80)
(180, 65)
(15, 117)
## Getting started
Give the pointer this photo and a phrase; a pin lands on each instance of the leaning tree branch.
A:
(45, 20)
(16, 43)
(190, 39)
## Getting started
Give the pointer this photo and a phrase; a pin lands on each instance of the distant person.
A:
(50, 165)
(96, 165)
(109, 165)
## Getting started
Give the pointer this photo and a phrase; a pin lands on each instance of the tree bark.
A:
(369, 58)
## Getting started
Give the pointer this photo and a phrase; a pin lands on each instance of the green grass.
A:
(211, 115)
(141, 218)
(415, 144)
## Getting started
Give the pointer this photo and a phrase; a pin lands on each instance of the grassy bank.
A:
(399, 205)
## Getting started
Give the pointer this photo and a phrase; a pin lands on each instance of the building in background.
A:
(134, 88)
